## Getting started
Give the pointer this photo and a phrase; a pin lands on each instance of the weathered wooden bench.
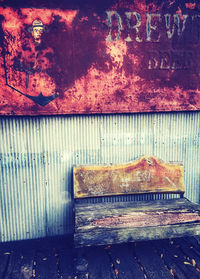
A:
(98, 222)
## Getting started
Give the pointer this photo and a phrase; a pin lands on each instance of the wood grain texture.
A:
(16, 268)
(99, 265)
(146, 175)
(135, 214)
(150, 259)
(169, 259)
(114, 236)
(98, 224)
(170, 250)
(80, 264)
(189, 251)
(124, 262)
(66, 263)
(152, 264)
(46, 264)
(20, 265)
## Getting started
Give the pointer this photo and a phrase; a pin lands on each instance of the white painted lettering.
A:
(164, 61)
(170, 31)
(136, 26)
(150, 27)
(153, 61)
(110, 14)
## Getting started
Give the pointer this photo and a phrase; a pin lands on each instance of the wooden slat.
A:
(80, 265)
(107, 223)
(189, 250)
(124, 263)
(14, 262)
(19, 258)
(147, 175)
(46, 264)
(194, 242)
(140, 205)
(175, 252)
(113, 236)
(21, 265)
(99, 265)
(66, 263)
(169, 259)
(152, 264)
(26, 268)
(135, 214)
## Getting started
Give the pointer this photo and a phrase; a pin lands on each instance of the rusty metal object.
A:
(125, 57)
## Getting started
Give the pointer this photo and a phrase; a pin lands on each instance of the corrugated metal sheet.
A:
(37, 155)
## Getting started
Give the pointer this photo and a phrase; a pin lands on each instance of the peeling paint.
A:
(124, 57)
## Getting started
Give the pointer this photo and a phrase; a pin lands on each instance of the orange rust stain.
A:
(179, 11)
(47, 15)
(148, 174)
(172, 2)
(12, 20)
(190, 5)
(35, 68)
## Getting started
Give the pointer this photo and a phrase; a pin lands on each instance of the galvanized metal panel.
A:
(21, 179)
(37, 155)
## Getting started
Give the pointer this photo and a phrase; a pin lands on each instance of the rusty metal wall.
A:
(99, 56)
(37, 155)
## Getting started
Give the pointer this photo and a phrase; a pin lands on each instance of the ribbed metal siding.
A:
(37, 155)
(21, 179)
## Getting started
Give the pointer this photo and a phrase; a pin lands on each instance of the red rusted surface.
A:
(147, 219)
(122, 56)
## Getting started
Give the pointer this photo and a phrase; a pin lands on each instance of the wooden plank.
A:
(95, 217)
(140, 205)
(139, 219)
(101, 236)
(17, 258)
(80, 264)
(190, 252)
(179, 258)
(66, 263)
(146, 175)
(20, 265)
(125, 265)
(197, 237)
(150, 261)
(14, 261)
(24, 267)
(99, 265)
(169, 259)
(194, 242)
(65, 256)
(46, 264)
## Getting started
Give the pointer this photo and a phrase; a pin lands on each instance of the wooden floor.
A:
(56, 259)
